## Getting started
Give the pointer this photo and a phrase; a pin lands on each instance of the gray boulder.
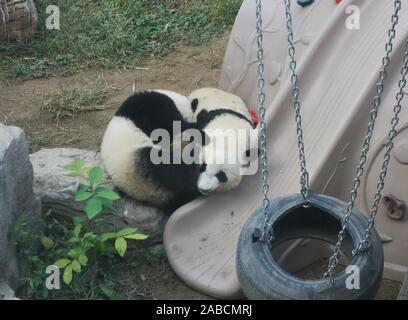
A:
(16, 197)
(403, 295)
(57, 192)
(6, 293)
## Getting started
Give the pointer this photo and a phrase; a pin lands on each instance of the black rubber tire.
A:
(261, 277)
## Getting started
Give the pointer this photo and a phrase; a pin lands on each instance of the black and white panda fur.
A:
(217, 112)
(126, 148)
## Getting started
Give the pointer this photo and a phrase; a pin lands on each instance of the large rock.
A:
(403, 295)
(6, 293)
(57, 192)
(16, 196)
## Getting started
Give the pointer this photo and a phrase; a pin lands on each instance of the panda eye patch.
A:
(203, 168)
(221, 176)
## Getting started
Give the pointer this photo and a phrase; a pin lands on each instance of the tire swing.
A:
(312, 216)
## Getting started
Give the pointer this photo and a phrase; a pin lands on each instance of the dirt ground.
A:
(184, 70)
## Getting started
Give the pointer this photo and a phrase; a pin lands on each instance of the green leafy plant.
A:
(94, 191)
(97, 197)
(72, 246)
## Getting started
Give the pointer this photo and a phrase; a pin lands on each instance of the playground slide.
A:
(338, 70)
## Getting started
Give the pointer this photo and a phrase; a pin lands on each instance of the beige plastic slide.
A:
(338, 70)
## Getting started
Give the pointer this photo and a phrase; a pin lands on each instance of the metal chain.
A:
(334, 259)
(304, 177)
(267, 232)
(365, 244)
(304, 181)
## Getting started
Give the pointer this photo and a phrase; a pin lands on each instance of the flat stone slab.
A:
(57, 192)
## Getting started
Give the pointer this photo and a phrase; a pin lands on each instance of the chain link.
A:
(267, 232)
(365, 244)
(304, 176)
(334, 259)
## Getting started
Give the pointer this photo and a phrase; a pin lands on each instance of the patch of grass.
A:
(113, 33)
(67, 102)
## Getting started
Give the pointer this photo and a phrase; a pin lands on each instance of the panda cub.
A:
(127, 145)
(219, 114)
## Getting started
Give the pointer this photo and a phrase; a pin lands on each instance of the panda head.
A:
(222, 166)
(220, 114)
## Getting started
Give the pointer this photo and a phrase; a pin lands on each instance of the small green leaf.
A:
(106, 236)
(77, 230)
(76, 165)
(106, 203)
(89, 235)
(47, 242)
(93, 207)
(62, 263)
(137, 236)
(95, 175)
(75, 174)
(83, 195)
(108, 194)
(73, 253)
(76, 266)
(125, 232)
(121, 246)
(79, 220)
(103, 182)
(82, 187)
(67, 277)
(74, 240)
(83, 259)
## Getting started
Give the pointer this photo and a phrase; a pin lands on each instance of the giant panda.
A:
(127, 145)
(221, 164)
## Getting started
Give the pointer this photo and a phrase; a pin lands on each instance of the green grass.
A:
(113, 34)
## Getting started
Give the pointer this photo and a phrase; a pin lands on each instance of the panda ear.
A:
(194, 105)
(202, 118)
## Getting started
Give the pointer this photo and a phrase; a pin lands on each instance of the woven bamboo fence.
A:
(18, 20)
